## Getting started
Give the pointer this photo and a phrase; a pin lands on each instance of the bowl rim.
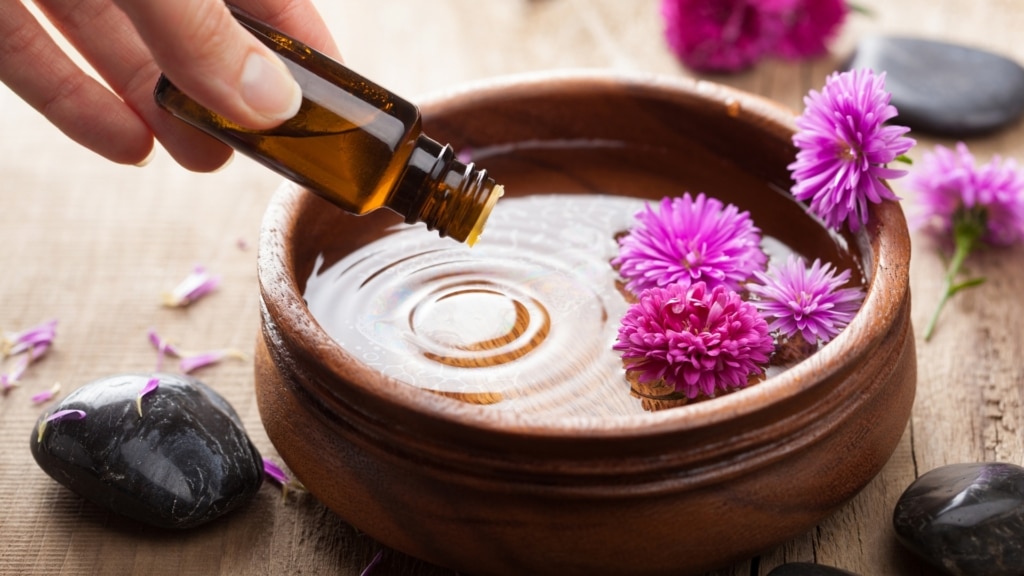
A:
(884, 243)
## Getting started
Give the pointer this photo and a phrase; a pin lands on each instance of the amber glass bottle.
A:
(354, 143)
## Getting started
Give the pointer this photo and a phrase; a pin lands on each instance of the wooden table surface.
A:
(94, 244)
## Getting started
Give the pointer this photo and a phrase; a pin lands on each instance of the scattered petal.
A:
(59, 415)
(23, 358)
(274, 472)
(163, 348)
(7, 381)
(279, 476)
(28, 346)
(369, 567)
(151, 385)
(46, 395)
(40, 335)
(199, 360)
(195, 286)
(17, 370)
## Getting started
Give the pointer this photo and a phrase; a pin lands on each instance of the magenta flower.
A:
(724, 35)
(698, 339)
(969, 205)
(807, 301)
(844, 147)
(811, 24)
(687, 241)
(949, 186)
(196, 285)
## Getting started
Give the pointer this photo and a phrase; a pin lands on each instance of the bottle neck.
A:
(444, 193)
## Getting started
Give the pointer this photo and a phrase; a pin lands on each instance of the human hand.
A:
(196, 43)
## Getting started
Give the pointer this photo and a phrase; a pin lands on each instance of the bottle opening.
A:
(478, 227)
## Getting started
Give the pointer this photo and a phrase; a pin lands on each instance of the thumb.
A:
(206, 53)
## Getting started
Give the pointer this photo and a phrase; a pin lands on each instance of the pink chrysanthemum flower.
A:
(967, 204)
(807, 301)
(698, 339)
(723, 35)
(844, 147)
(811, 25)
(949, 185)
(690, 240)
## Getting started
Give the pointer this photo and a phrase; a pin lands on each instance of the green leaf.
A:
(904, 159)
(966, 284)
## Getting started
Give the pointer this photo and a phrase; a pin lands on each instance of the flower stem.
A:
(966, 232)
(860, 9)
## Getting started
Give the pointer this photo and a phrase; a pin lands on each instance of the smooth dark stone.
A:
(943, 88)
(808, 569)
(184, 462)
(966, 519)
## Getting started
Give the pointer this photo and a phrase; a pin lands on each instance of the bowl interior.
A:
(489, 336)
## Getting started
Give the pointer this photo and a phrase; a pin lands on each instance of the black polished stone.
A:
(185, 461)
(945, 89)
(966, 519)
(808, 569)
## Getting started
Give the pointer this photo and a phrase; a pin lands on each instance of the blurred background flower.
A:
(968, 206)
(732, 35)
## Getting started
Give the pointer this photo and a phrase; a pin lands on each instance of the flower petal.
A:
(275, 473)
(46, 395)
(59, 415)
(195, 286)
(151, 385)
(202, 359)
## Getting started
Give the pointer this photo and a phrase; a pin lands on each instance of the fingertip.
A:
(192, 149)
(269, 91)
(149, 158)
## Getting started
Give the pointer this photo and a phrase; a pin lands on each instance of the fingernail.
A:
(269, 89)
(226, 163)
(149, 158)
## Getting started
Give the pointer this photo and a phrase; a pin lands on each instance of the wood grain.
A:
(94, 244)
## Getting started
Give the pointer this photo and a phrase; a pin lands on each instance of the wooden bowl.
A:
(462, 482)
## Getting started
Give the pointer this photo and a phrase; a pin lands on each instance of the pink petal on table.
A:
(195, 286)
(196, 361)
